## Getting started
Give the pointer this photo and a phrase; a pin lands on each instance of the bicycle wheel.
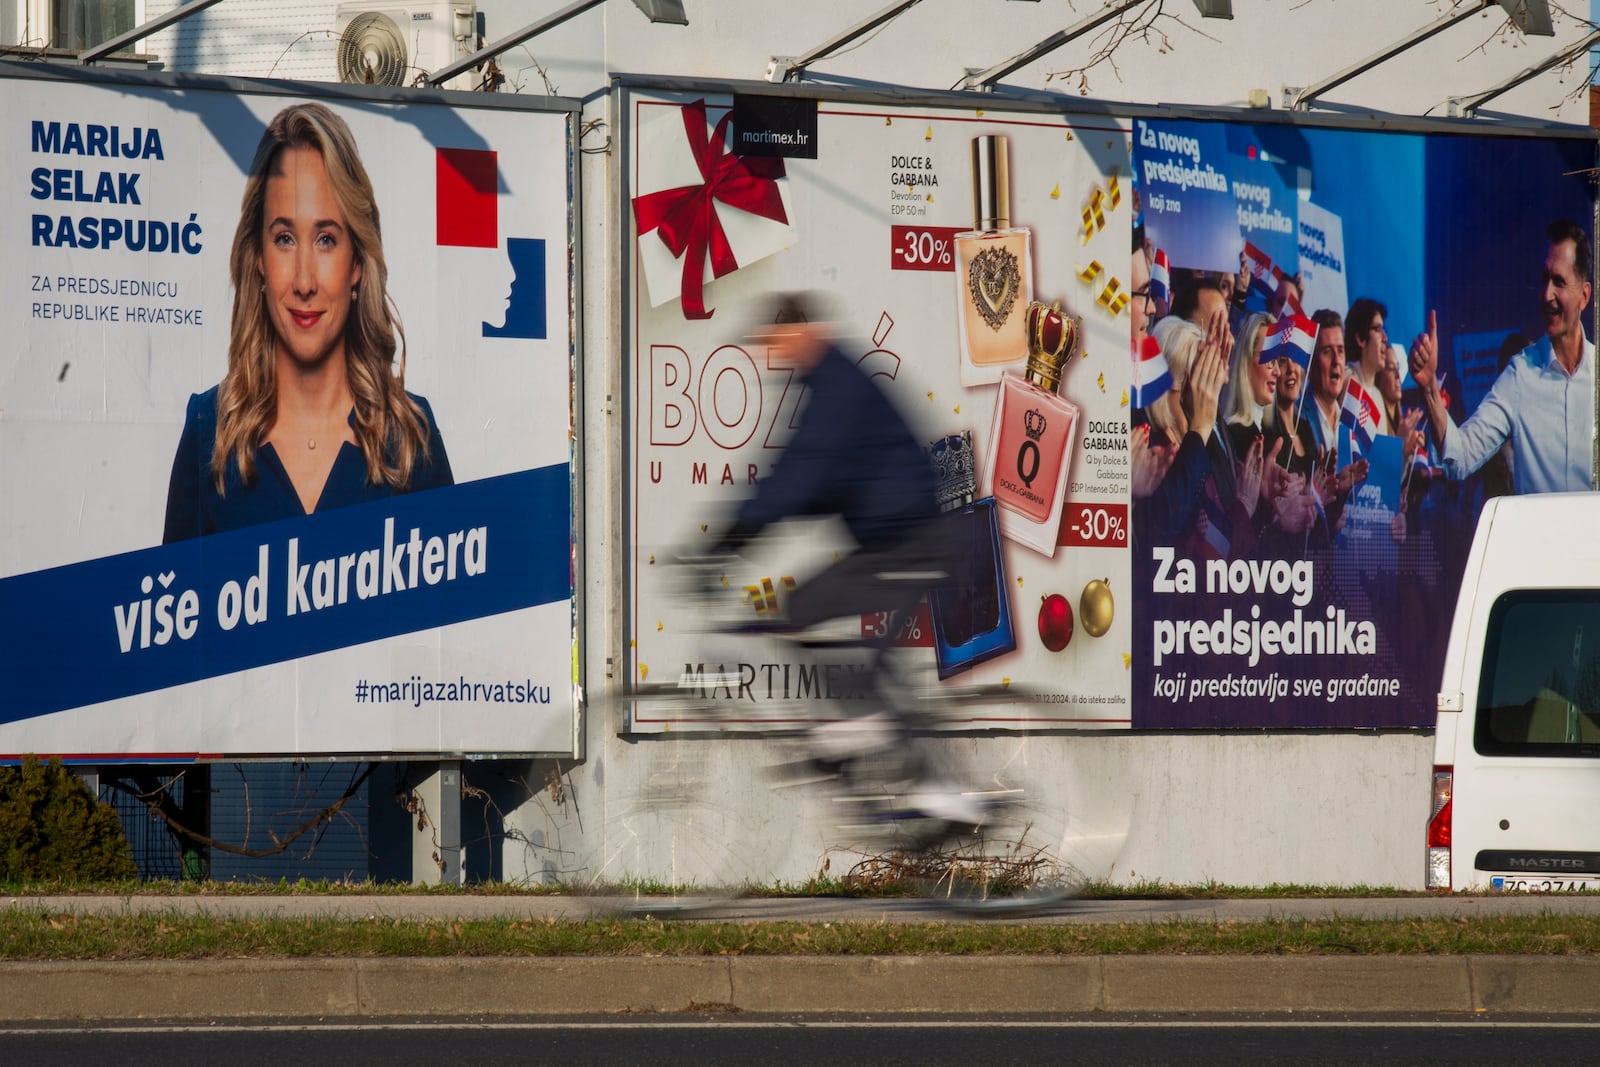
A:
(674, 855)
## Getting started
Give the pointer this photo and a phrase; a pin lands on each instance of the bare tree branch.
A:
(1142, 24)
(160, 804)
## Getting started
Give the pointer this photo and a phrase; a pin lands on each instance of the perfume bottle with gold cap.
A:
(972, 611)
(994, 271)
(1030, 444)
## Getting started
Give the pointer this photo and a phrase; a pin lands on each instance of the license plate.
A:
(1566, 884)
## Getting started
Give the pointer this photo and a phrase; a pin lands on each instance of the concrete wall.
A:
(1246, 808)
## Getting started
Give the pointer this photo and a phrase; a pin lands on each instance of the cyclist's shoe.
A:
(942, 802)
(837, 743)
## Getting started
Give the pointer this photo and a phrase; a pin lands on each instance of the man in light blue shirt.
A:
(1543, 402)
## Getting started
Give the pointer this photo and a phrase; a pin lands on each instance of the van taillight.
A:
(1439, 830)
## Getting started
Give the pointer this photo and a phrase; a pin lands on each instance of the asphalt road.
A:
(799, 1040)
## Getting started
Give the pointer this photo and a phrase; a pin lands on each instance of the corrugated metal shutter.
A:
(252, 801)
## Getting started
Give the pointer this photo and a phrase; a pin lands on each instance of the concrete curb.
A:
(407, 987)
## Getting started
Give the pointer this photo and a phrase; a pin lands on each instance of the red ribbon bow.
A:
(685, 217)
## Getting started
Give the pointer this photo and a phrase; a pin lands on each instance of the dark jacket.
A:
(853, 455)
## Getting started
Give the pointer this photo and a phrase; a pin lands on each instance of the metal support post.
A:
(436, 825)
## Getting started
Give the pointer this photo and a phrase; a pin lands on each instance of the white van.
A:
(1516, 777)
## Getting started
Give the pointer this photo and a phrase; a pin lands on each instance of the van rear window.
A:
(1539, 693)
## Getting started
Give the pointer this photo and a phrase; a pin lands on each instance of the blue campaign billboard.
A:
(286, 421)
(1402, 324)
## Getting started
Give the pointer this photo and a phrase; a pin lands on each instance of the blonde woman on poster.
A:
(312, 413)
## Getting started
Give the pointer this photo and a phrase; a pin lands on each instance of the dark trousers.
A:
(891, 579)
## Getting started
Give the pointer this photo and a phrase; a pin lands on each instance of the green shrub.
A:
(52, 829)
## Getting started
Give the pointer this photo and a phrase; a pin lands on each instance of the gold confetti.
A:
(702, 527)
(633, 644)
(1091, 272)
(887, 121)
(1115, 189)
(929, 135)
(1124, 402)
(1005, 683)
(930, 394)
(1109, 293)
(659, 627)
(1126, 659)
(652, 558)
(1069, 135)
(1055, 194)
(958, 409)
(979, 112)
(724, 581)
(1100, 380)
(644, 672)
(1088, 227)
(911, 190)
(1118, 303)
(1019, 581)
(930, 198)
(1110, 143)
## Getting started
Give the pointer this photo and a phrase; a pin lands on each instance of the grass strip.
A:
(39, 935)
(821, 886)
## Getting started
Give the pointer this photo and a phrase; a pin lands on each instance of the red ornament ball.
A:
(1055, 622)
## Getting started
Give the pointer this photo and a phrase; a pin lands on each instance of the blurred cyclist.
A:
(853, 455)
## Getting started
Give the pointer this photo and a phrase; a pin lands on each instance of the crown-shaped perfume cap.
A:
(955, 470)
(1052, 338)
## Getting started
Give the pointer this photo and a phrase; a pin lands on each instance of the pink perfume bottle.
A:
(1030, 444)
(994, 271)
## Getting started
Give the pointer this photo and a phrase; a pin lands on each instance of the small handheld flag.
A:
(1151, 375)
(1262, 280)
(1294, 338)
(1360, 413)
(1160, 276)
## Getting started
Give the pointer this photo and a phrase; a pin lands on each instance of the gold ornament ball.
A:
(1095, 607)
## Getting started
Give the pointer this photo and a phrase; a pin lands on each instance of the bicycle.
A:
(988, 848)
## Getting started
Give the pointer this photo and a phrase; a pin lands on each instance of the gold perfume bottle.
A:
(994, 271)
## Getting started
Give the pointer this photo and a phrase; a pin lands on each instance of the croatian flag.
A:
(1294, 337)
(1160, 276)
(1292, 304)
(1420, 465)
(1262, 278)
(1360, 413)
(1151, 376)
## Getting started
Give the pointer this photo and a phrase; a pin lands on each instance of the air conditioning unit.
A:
(396, 42)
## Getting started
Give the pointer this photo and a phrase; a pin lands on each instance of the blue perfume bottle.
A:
(972, 612)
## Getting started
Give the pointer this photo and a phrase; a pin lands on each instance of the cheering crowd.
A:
(1254, 424)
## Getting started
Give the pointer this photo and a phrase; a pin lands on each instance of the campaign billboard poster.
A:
(869, 204)
(1338, 616)
(286, 420)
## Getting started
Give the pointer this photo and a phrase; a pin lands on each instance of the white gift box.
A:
(666, 161)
